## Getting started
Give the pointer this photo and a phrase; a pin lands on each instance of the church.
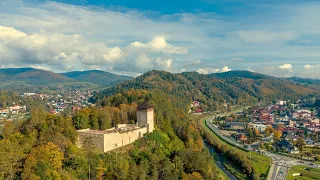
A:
(121, 134)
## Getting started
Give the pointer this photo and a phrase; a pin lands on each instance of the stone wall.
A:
(116, 140)
(109, 141)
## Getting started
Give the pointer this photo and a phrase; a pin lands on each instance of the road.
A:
(281, 164)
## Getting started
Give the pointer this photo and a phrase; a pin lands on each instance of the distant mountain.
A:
(234, 87)
(96, 77)
(241, 74)
(308, 82)
(32, 76)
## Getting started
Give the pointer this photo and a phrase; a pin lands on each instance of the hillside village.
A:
(62, 101)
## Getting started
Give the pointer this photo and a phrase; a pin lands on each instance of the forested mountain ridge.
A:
(313, 83)
(32, 76)
(96, 77)
(39, 77)
(234, 87)
(241, 74)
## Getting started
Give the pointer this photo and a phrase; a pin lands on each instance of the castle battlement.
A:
(122, 134)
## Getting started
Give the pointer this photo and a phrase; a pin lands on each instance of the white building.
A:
(281, 103)
(260, 127)
(29, 94)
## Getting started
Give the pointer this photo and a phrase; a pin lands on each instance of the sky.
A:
(279, 38)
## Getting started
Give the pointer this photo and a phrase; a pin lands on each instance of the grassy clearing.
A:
(306, 175)
(259, 161)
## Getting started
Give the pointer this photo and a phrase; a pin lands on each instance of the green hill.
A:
(30, 79)
(240, 87)
(241, 74)
(96, 77)
(32, 76)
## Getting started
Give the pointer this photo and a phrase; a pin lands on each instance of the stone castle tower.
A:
(145, 116)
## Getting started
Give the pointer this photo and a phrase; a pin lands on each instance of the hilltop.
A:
(32, 76)
(241, 74)
(96, 77)
(213, 90)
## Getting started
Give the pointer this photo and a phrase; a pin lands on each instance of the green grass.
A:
(259, 161)
(306, 175)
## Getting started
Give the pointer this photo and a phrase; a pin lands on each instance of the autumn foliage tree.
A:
(269, 130)
(277, 135)
(44, 162)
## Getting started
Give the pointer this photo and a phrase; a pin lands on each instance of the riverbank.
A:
(218, 159)
(259, 162)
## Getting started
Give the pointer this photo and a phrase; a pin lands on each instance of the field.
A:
(307, 173)
(259, 161)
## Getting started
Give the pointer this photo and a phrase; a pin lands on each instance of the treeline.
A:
(213, 91)
(44, 146)
(105, 117)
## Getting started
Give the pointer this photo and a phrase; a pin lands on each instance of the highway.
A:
(281, 164)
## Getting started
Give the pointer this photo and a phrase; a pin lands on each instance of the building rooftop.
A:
(144, 106)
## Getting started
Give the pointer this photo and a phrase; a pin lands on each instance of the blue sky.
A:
(132, 37)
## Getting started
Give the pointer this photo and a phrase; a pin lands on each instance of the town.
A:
(60, 101)
(288, 128)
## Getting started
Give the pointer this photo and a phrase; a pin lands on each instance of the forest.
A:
(45, 145)
(215, 90)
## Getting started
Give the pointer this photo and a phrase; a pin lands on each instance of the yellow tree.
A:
(100, 170)
(269, 130)
(48, 158)
(277, 135)
(256, 132)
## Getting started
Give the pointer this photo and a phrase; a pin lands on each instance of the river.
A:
(219, 161)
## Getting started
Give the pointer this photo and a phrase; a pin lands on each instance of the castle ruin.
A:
(122, 134)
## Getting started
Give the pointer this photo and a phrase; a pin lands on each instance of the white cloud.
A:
(273, 70)
(66, 51)
(159, 44)
(225, 69)
(213, 70)
(207, 70)
(310, 71)
(54, 49)
(162, 63)
(308, 66)
(112, 55)
(286, 67)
